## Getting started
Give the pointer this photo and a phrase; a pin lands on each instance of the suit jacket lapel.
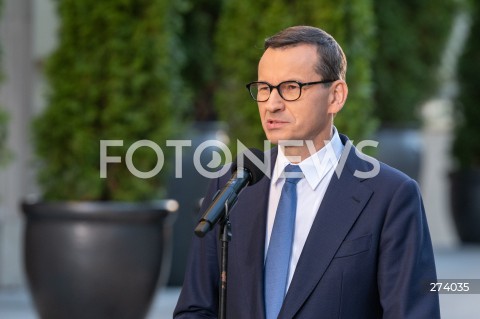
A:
(248, 236)
(344, 200)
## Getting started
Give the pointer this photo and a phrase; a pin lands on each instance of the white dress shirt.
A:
(318, 170)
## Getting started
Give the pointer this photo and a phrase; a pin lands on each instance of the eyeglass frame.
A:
(271, 87)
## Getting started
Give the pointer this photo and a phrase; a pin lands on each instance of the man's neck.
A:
(297, 151)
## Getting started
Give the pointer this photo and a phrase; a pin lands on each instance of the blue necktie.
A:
(280, 247)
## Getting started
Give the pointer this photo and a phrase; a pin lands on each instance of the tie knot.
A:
(293, 174)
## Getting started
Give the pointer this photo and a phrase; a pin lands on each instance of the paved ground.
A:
(460, 263)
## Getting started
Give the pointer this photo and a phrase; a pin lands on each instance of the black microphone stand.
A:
(225, 237)
(219, 213)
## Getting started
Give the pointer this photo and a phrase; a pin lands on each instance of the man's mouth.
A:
(273, 124)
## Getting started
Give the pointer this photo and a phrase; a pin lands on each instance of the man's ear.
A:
(338, 96)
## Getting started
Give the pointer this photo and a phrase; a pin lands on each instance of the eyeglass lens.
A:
(289, 91)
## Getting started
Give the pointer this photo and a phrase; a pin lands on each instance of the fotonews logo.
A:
(220, 155)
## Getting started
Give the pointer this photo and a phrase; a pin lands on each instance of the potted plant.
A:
(94, 242)
(465, 179)
(200, 77)
(411, 35)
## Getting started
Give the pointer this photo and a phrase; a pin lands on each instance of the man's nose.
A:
(275, 102)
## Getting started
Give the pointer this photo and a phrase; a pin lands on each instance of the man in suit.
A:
(358, 244)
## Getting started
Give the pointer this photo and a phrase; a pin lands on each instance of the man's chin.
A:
(277, 139)
(287, 142)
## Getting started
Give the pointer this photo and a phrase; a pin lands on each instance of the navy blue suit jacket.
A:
(368, 254)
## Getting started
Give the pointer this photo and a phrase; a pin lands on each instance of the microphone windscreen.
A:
(255, 171)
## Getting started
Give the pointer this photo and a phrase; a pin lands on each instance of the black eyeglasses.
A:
(288, 90)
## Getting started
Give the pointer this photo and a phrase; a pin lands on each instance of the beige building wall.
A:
(27, 35)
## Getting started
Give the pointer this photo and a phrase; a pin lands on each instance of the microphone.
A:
(242, 177)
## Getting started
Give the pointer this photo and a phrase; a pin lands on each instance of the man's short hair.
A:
(332, 64)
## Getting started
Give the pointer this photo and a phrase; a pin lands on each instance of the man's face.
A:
(307, 118)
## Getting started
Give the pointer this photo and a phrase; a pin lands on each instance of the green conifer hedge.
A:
(466, 145)
(114, 76)
(410, 41)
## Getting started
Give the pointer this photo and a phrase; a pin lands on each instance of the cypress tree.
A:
(411, 37)
(466, 146)
(114, 76)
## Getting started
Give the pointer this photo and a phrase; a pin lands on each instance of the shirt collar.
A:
(316, 166)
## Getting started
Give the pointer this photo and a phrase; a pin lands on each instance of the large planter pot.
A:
(400, 147)
(465, 204)
(95, 260)
(189, 190)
